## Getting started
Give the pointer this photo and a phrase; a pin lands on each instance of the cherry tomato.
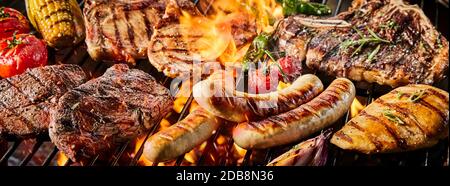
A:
(290, 67)
(20, 52)
(12, 21)
(260, 82)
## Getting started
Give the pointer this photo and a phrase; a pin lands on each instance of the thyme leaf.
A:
(417, 96)
(400, 94)
(363, 41)
(373, 53)
(392, 117)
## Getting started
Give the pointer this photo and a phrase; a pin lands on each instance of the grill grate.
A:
(436, 156)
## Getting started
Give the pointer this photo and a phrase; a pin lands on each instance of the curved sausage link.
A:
(223, 100)
(181, 137)
(299, 123)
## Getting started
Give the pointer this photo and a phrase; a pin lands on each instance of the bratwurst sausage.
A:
(181, 137)
(223, 100)
(296, 124)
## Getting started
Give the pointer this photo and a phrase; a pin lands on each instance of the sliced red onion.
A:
(313, 152)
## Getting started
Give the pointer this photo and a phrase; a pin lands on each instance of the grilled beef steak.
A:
(175, 47)
(26, 99)
(119, 30)
(380, 41)
(92, 118)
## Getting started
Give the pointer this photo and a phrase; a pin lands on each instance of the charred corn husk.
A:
(60, 22)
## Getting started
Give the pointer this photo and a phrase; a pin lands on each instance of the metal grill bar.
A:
(33, 151)
(49, 158)
(9, 152)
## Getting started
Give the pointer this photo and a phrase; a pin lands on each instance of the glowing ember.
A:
(61, 159)
(241, 152)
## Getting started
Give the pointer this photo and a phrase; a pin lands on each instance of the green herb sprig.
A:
(392, 117)
(293, 7)
(399, 95)
(390, 25)
(14, 42)
(417, 96)
(363, 41)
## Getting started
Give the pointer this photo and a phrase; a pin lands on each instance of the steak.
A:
(118, 106)
(119, 30)
(381, 41)
(175, 47)
(26, 99)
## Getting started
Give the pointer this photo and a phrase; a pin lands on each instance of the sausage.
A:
(296, 124)
(181, 137)
(217, 95)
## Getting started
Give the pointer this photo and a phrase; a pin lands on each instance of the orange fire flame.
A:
(218, 43)
(61, 159)
(230, 18)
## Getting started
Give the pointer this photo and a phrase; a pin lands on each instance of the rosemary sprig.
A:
(373, 53)
(390, 25)
(392, 117)
(417, 96)
(363, 41)
(3, 14)
(275, 62)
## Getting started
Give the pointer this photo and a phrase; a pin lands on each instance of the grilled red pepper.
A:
(20, 52)
(12, 21)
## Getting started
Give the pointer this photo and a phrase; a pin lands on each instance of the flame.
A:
(182, 96)
(356, 107)
(61, 159)
(230, 21)
(142, 160)
(218, 31)
(240, 151)
(282, 85)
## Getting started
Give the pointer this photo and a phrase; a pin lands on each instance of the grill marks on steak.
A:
(120, 30)
(26, 99)
(168, 50)
(173, 49)
(417, 53)
(118, 106)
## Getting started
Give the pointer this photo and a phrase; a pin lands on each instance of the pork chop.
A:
(120, 30)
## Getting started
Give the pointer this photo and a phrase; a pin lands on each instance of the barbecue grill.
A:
(216, 151)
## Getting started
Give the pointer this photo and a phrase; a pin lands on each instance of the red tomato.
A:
(11, 21)
(21, 52)
(291, 68)
(286, 65)
(259, 83)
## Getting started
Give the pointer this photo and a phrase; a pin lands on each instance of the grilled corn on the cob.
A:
(59, 21)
